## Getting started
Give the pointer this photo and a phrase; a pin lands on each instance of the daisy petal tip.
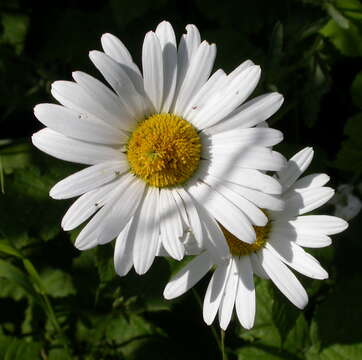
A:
(168, 293)
(247, 325)
(81, 245)
(344, 225)
(106, 36)
(164, 23)
(53, 193)
(37, 109)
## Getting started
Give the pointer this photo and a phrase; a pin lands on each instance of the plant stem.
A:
(222, 336)
(212, 327)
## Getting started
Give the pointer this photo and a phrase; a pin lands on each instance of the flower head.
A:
(279, 245)
(171, 151)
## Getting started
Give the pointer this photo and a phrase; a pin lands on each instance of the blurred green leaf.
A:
(356, 90)
(339, 352)
(255, 353)
(347, 41)
(57, 283)
(14, 349)
(337, 16)
(351, 9)
(338, 318)
(15, 27)
(17, 276)
(58, 354)
(350, 155)
(15, 157)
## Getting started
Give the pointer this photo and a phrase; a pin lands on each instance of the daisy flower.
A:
(278, 246)
(151, 143)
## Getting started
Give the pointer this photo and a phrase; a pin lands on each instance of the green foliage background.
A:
(57, 303)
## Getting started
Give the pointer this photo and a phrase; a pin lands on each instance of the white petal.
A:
(193, 216)
(239, 69)
(310, 181)
(313, 240)
(117, 77)
(123, 251)
(228, 98)
(250, 157)
(319, 224)
(245, 297)
(86, 205)
(113, 217)
(109, 106)
(146, 234)
(250, 178)
(181, 208)
(171, 225)
(283, 278)
(188, 46)
(260, 199)
(197, 73)
(301, 201)
(114, 48)
(78, 125)
(253, 213)
(188, 276)
(88, 179)
(213, 238)
(246, 137)
(214, 292)
(257, 268)
(65, 148)
(217, 80)
(295, 167)
(152, 65)
(250, 114)
(294, 256)
(73, 96)
(228, 300)
(225, 212)
(167, 40)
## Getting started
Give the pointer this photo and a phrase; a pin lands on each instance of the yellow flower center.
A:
(240, 248)
(164, 150)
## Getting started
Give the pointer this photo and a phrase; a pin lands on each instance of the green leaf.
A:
(58, 354)
(15, 349)
(337, 16)
(15, 27)
(297, 338)
(350, 155)
(284, 315)
(339, 318)
(255, 353)
(347, 41)
(8, 249)
(16, 156)
(149, 287)
(17, 276)
(356, 90)
(352, 9)
(339, 352)
(57, 283)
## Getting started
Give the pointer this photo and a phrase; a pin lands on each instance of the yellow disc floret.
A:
(240, 248)
(164, 150)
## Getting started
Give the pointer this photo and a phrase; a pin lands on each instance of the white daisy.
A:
(279, 245)
(163, 146)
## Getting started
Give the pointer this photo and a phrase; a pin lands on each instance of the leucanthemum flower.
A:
(171, 150)
(278, 246)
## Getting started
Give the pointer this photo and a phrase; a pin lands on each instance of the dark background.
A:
(67, 305)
